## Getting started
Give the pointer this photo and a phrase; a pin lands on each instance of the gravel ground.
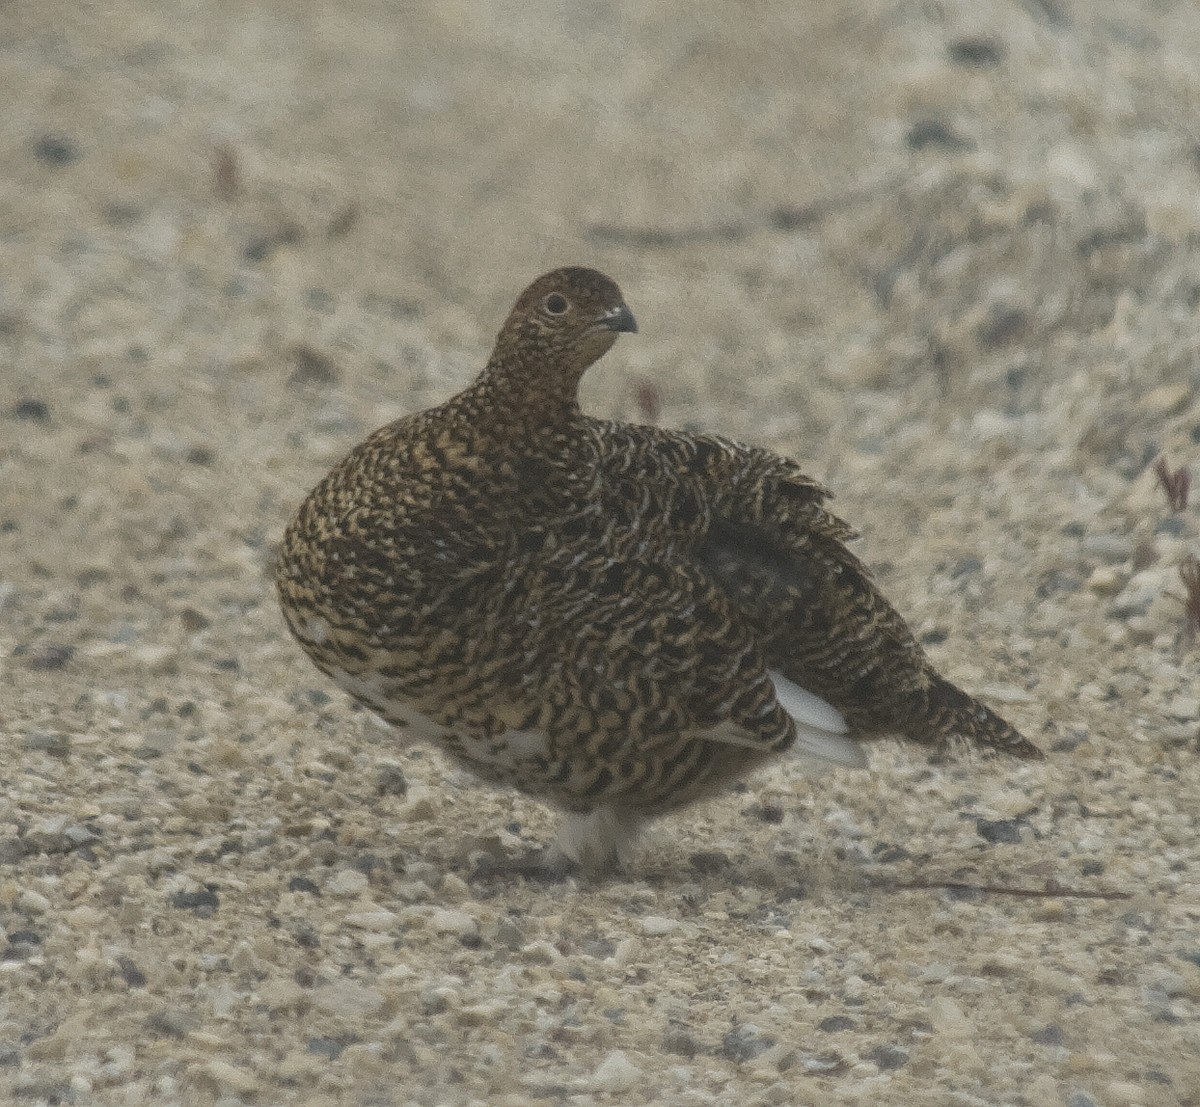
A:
(948, 254)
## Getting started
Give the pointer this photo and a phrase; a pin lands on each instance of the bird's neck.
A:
(526, 392)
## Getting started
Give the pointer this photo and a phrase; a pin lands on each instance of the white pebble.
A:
(227, 1076)
(628, 951)
(347, 882)
(344, 997)
(1123, 1093)
(53, 826)
(1184, 707)
(378, 920)
(1104, 581)
(1167, 399)
(454, 889)
(948, 1018)
(540, 952)
(1167, 981)
(1109, 547)
(244, 959)
(656, 926)
(616, 1073)
(445, 920)
(33, 902)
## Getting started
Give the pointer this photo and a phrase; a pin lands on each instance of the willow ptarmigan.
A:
(615, 619)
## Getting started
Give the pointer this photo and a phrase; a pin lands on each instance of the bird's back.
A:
(781, 557)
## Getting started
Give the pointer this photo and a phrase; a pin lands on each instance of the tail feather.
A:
(951, 713)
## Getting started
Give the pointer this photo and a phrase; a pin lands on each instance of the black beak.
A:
(619, 319)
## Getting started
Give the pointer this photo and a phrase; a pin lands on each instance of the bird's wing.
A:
(780, 557)
(760, 530)
(629, 656)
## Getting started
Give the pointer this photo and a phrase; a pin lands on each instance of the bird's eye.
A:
(556, 304)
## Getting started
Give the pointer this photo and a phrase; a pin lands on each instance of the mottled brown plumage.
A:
(617, 619)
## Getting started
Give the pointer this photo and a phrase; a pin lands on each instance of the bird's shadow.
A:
(781, 878)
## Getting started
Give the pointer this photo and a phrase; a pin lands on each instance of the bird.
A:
(616, 619)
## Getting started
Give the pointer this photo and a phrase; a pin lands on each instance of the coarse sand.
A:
(947, 254)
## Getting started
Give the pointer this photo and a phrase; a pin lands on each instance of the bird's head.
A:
(560, 325)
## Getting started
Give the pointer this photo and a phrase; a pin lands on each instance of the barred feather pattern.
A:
(589, 610)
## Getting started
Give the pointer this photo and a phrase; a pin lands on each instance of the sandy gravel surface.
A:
(948, 254)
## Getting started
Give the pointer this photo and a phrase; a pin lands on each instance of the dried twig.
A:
(1189, 573)
(1176, 485)
(648, 401)
(227, 182)
(1050, 890)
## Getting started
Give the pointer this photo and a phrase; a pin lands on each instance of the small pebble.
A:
(1167, 399)
(56, 151)
(681, 1042)
(834, 1023)
(454, 889)
(1124, 1093)
(1049, 1035)
(616, 1073)
(380, 920)
(169, 1024)
(887, 1057)
(976, 52)
(229, 1077)
(48, 835)
(33, 902)
(348, 999)
(628, 952)
(655, 926)
(52, 658)
(36, 411)
(329, 1048)
(1170, 983)
(1139, 593)
(12, 849)
(999, 830)
(948, 1018)
(509, 935)
(447, 921)
(391, 781)
(131, 973)
(1104, 581)
(936, 972)
(540, 953)
(347, 882)
(311, 366)
(744, 1043)
(1184, 706)
(1114, 548)
(202, 900)
(300, 1067)
(934, 134)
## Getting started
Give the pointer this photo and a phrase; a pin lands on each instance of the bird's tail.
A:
(952, 714)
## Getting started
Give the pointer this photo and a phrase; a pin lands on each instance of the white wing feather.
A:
(820, 728)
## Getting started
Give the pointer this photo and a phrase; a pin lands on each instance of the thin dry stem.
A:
(1176, 485)
(1189, 573)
